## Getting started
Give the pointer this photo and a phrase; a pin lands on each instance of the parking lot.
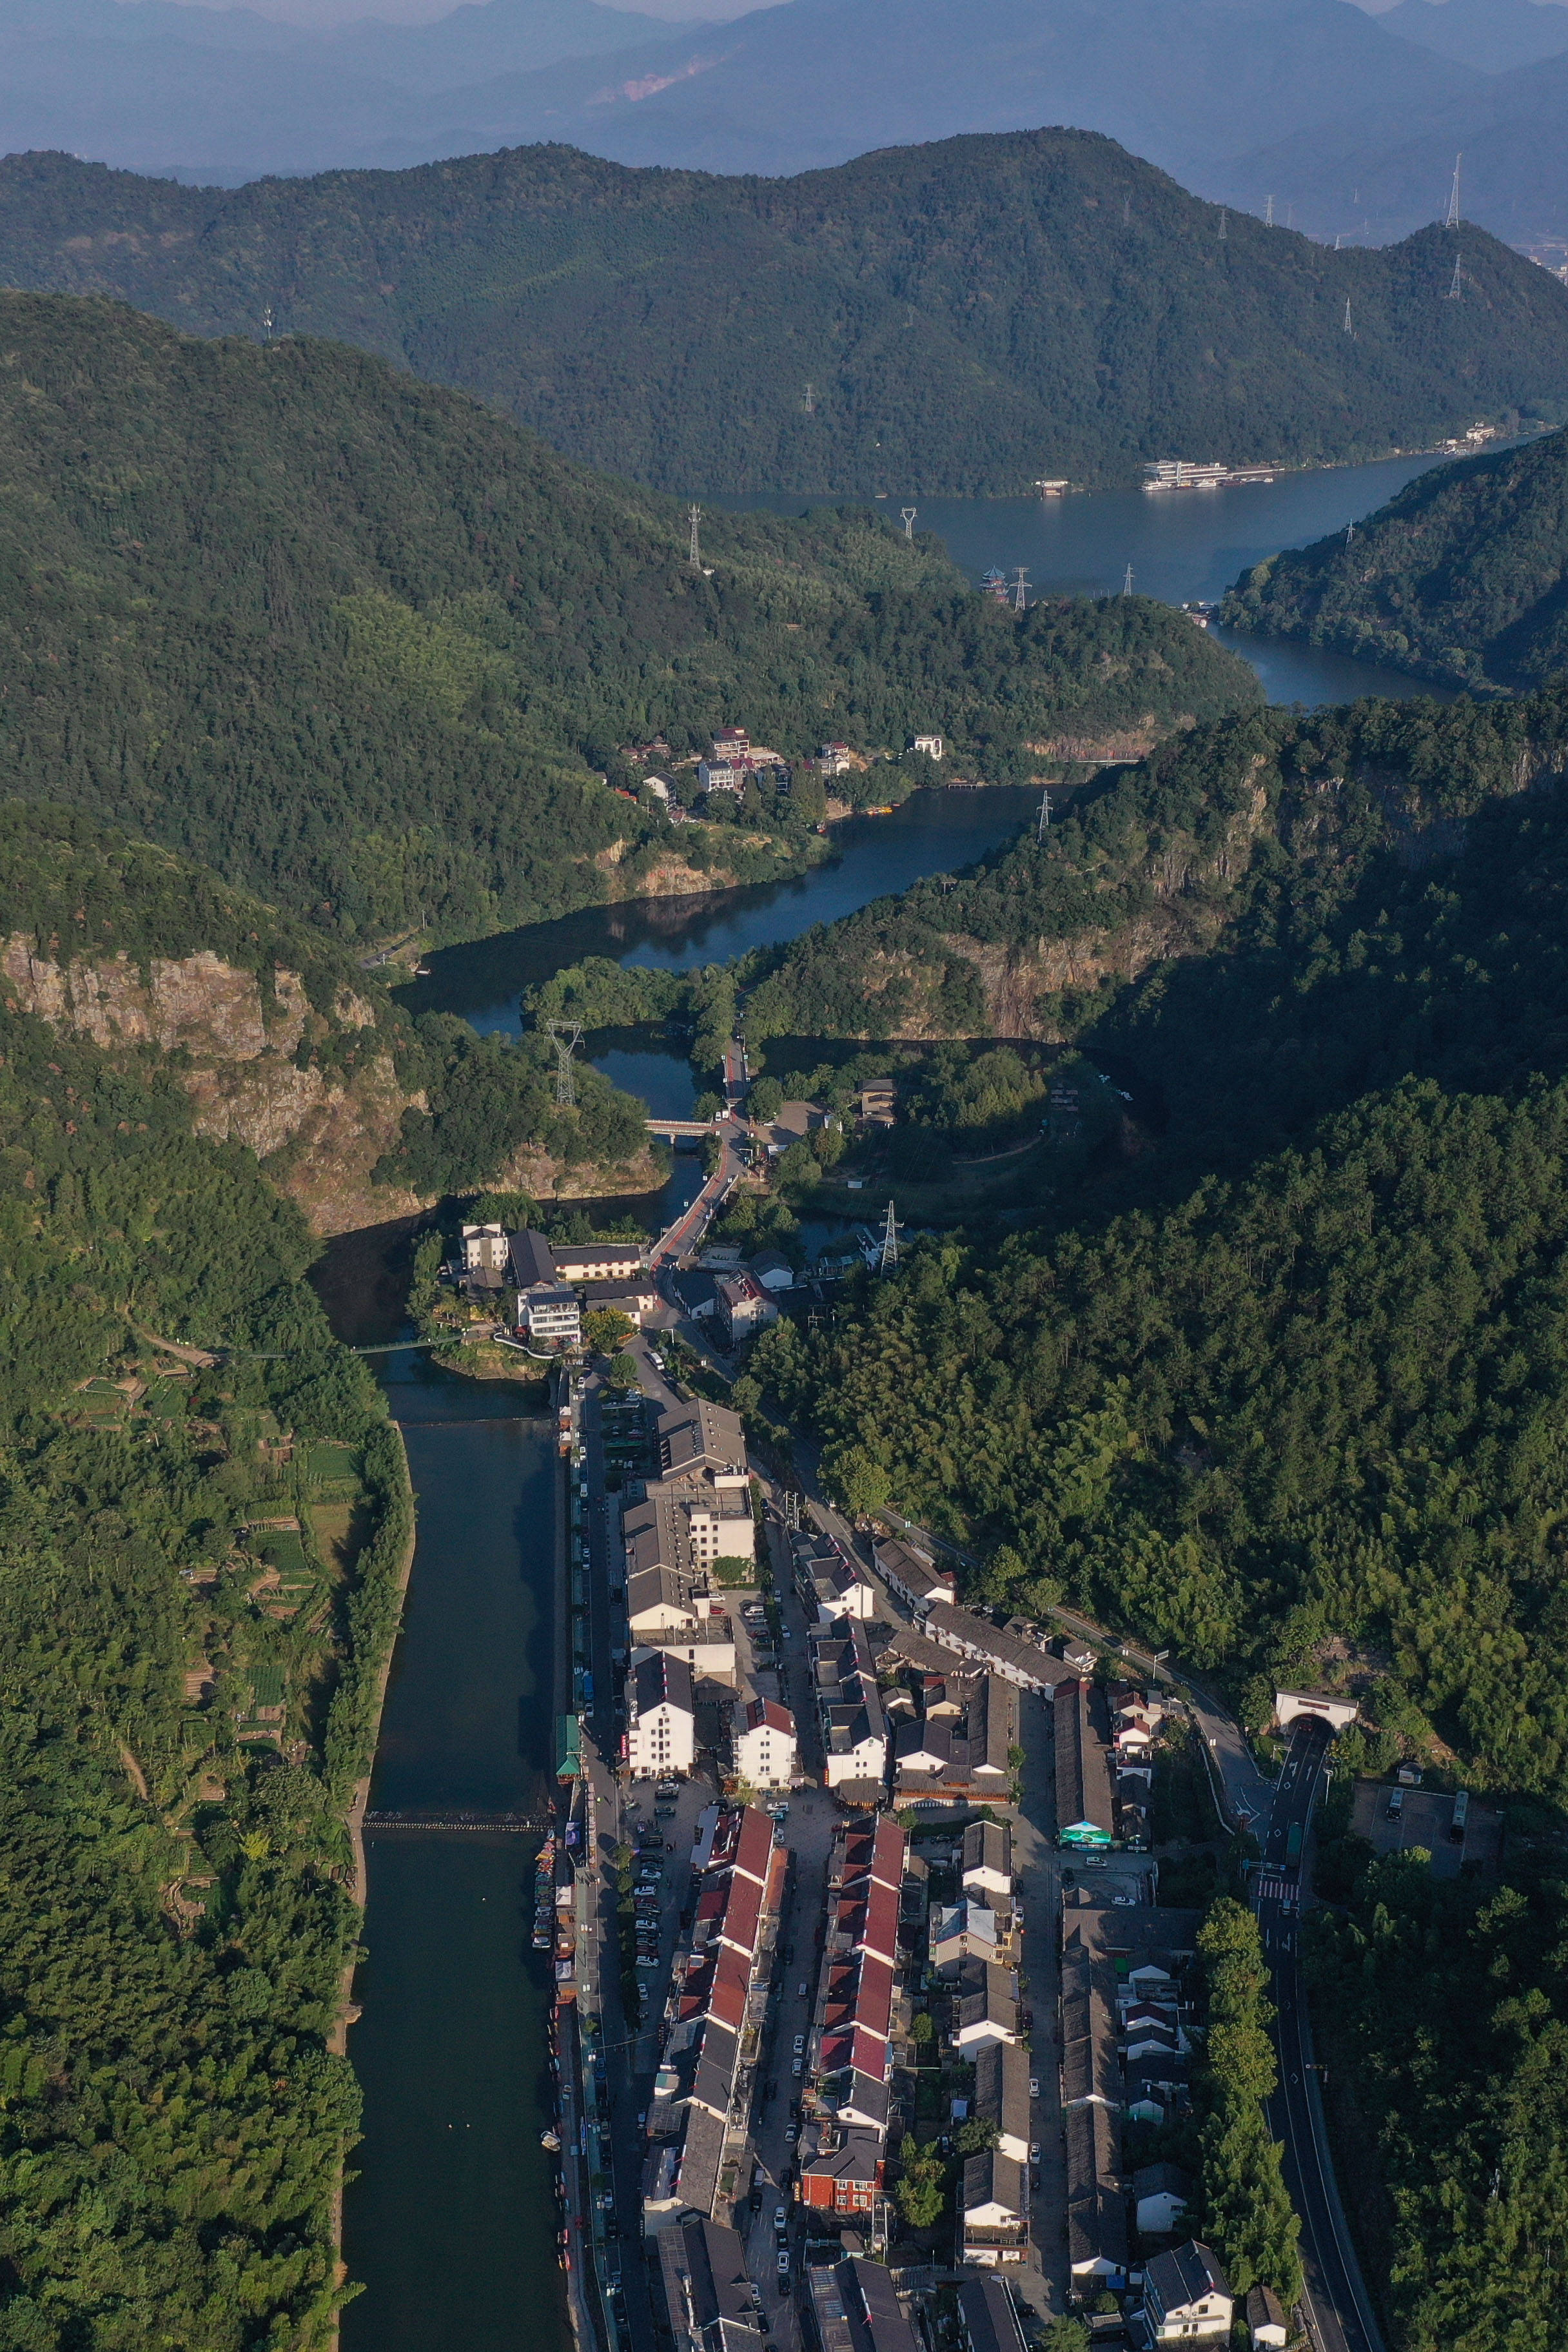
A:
(1425, 1818)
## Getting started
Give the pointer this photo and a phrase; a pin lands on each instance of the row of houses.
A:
(676, 1529)
(698, 2117)
(980, 1933)
(1125, 2056)
(734, 761)
(849, 2303)
(1104, 1740)
(850, 2043)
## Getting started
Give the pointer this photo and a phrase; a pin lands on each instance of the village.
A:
(875, 1930)
(883, 2030)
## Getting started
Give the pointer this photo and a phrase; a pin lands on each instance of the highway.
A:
(1337, 2312)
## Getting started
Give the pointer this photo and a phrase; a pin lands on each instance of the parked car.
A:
(783, 2261)
(797, 2068)
(1033, 2087)
(793, 2133)
(781, 2218)
(799, 2044)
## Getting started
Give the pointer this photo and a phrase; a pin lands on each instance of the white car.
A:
(799, 2044)
(1033, 2087)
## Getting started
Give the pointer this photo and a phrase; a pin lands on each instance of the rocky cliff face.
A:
(317, 1133)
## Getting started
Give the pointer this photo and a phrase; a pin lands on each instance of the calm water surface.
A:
(452, 2223)
(1184, 546)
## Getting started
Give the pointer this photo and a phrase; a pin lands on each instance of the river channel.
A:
(449, 2225)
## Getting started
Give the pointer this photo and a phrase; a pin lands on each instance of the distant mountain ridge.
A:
(1187, 83)
(1463, 577)
(969, 316)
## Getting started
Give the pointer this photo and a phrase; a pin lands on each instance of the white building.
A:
(661, 1719)
(930, 744)
(744, 1307)
(765, 1741)
(1187, 2298)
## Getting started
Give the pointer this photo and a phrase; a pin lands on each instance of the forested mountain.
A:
(1463, 576)
(1295, 1369)
(357, 1112)
(189, 1703)
(968, 317)
(359, 645)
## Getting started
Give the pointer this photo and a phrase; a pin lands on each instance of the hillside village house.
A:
(1186, 2297)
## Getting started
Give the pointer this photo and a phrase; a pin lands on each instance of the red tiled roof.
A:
(743, 1913)
(732, 1980)
(755, 1844)
(874, 2006)
(879, 1930)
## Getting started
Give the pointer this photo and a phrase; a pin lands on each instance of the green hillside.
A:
(1331, 964)
(964, 317)
(1464, 576)
(359, 644)
(173, 1922)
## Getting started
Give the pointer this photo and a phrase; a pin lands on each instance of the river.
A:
(450, 2224)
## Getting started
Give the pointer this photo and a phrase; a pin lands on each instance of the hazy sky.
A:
(324, 13)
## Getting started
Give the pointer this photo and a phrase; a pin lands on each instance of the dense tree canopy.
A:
(1461, 577)
(970, 315)
(174, 1929)
(366, 648)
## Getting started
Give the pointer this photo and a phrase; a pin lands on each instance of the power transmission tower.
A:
(696, 514)
(1223, 231)
(888, 1257)
(809, 403)
(1350, 533)
(1127, 210)
(1268, 213)
(908, 514)
(1453, 219)
(267, 324)
(1021, 589)
(566, 1036)
(1127, 582)
(1349, 328)
(1043, 817)
(1453, 293)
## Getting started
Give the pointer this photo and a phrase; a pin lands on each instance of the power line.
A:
(566, 1036)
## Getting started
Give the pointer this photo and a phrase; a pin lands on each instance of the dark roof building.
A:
(987, 2317)
(1085, 1810)
(854, 2308)
(707, 2293)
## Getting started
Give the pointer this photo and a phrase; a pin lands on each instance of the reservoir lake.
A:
(449, 2225)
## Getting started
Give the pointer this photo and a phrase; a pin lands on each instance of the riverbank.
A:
(348, 2012)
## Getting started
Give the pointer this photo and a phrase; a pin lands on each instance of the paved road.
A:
(1247, 1796)
(1338, 2311)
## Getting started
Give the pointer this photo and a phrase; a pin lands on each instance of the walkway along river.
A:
(450, 2221)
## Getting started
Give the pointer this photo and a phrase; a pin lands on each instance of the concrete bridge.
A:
(675, 1128)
